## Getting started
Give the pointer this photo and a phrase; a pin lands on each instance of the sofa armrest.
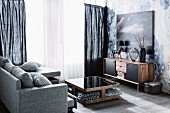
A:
(47, 99)
(74, 98)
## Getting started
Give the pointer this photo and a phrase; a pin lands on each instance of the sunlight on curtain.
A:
(34, 30)
(74, 38)
(55, 35)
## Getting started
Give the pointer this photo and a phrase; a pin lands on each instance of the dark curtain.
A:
(0, 48)
(12, 30)
(94, 40)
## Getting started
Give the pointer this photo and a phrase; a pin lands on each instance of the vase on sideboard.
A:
(133, 53)
(142, 55)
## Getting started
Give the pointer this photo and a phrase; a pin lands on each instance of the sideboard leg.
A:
(137, 88)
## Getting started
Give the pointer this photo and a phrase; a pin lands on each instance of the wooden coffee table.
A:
(93, 85)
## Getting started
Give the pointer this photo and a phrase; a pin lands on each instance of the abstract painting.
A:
(133, 27)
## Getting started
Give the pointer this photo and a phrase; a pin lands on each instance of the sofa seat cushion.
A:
(48, 72)
(40, 80)
(24, 77)
(70, 102)
(30, 66)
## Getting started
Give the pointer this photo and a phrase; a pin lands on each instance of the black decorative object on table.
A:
(133, 53)
(142, 55)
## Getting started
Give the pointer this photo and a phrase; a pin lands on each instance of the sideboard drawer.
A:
(119, 63)
(121, 68)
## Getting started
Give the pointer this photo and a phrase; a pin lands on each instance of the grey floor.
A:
(130, 102)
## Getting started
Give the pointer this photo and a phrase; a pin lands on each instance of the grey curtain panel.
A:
(13, 30)
(94, 40)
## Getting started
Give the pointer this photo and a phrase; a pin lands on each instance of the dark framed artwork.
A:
(134, 26)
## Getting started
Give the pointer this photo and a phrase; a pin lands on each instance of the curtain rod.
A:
(12, 0)
(1, 1)
(93, 5)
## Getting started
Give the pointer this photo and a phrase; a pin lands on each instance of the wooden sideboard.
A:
(127, 70)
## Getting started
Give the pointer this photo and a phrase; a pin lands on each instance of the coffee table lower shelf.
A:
(102, 90)
(98, 100)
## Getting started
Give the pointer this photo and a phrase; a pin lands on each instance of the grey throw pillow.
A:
(30, 66)
(40, 80)
(24, 77)
(6, 61)
(8, 67)
(2, 61)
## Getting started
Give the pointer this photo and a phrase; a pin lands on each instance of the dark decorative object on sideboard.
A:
(127, 43)
(133, 53)
(142, 55)
(119, 52)
(153, 87)
(121, 45)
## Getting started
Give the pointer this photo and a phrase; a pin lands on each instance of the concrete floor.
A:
(131, 101)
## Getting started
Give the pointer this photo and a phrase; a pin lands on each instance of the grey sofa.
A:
(46, 99)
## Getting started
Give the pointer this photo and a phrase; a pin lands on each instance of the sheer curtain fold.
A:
(53, 32)
(74, 38)
(57, 32)
(53, 53)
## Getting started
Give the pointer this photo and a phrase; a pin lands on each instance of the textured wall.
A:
(161, 27)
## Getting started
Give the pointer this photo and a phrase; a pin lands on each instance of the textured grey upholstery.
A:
(30, 66)
(74, 99)
(40, 80)
(8, 66)
(8, 86)
(2, 61)
(24, 77)
(46, 99)
(70, 102)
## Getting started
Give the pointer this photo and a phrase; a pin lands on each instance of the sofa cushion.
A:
(8, 67)
(30, 66)
(2, 61)
(6, 61)
(24, 77)
(40, 80)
